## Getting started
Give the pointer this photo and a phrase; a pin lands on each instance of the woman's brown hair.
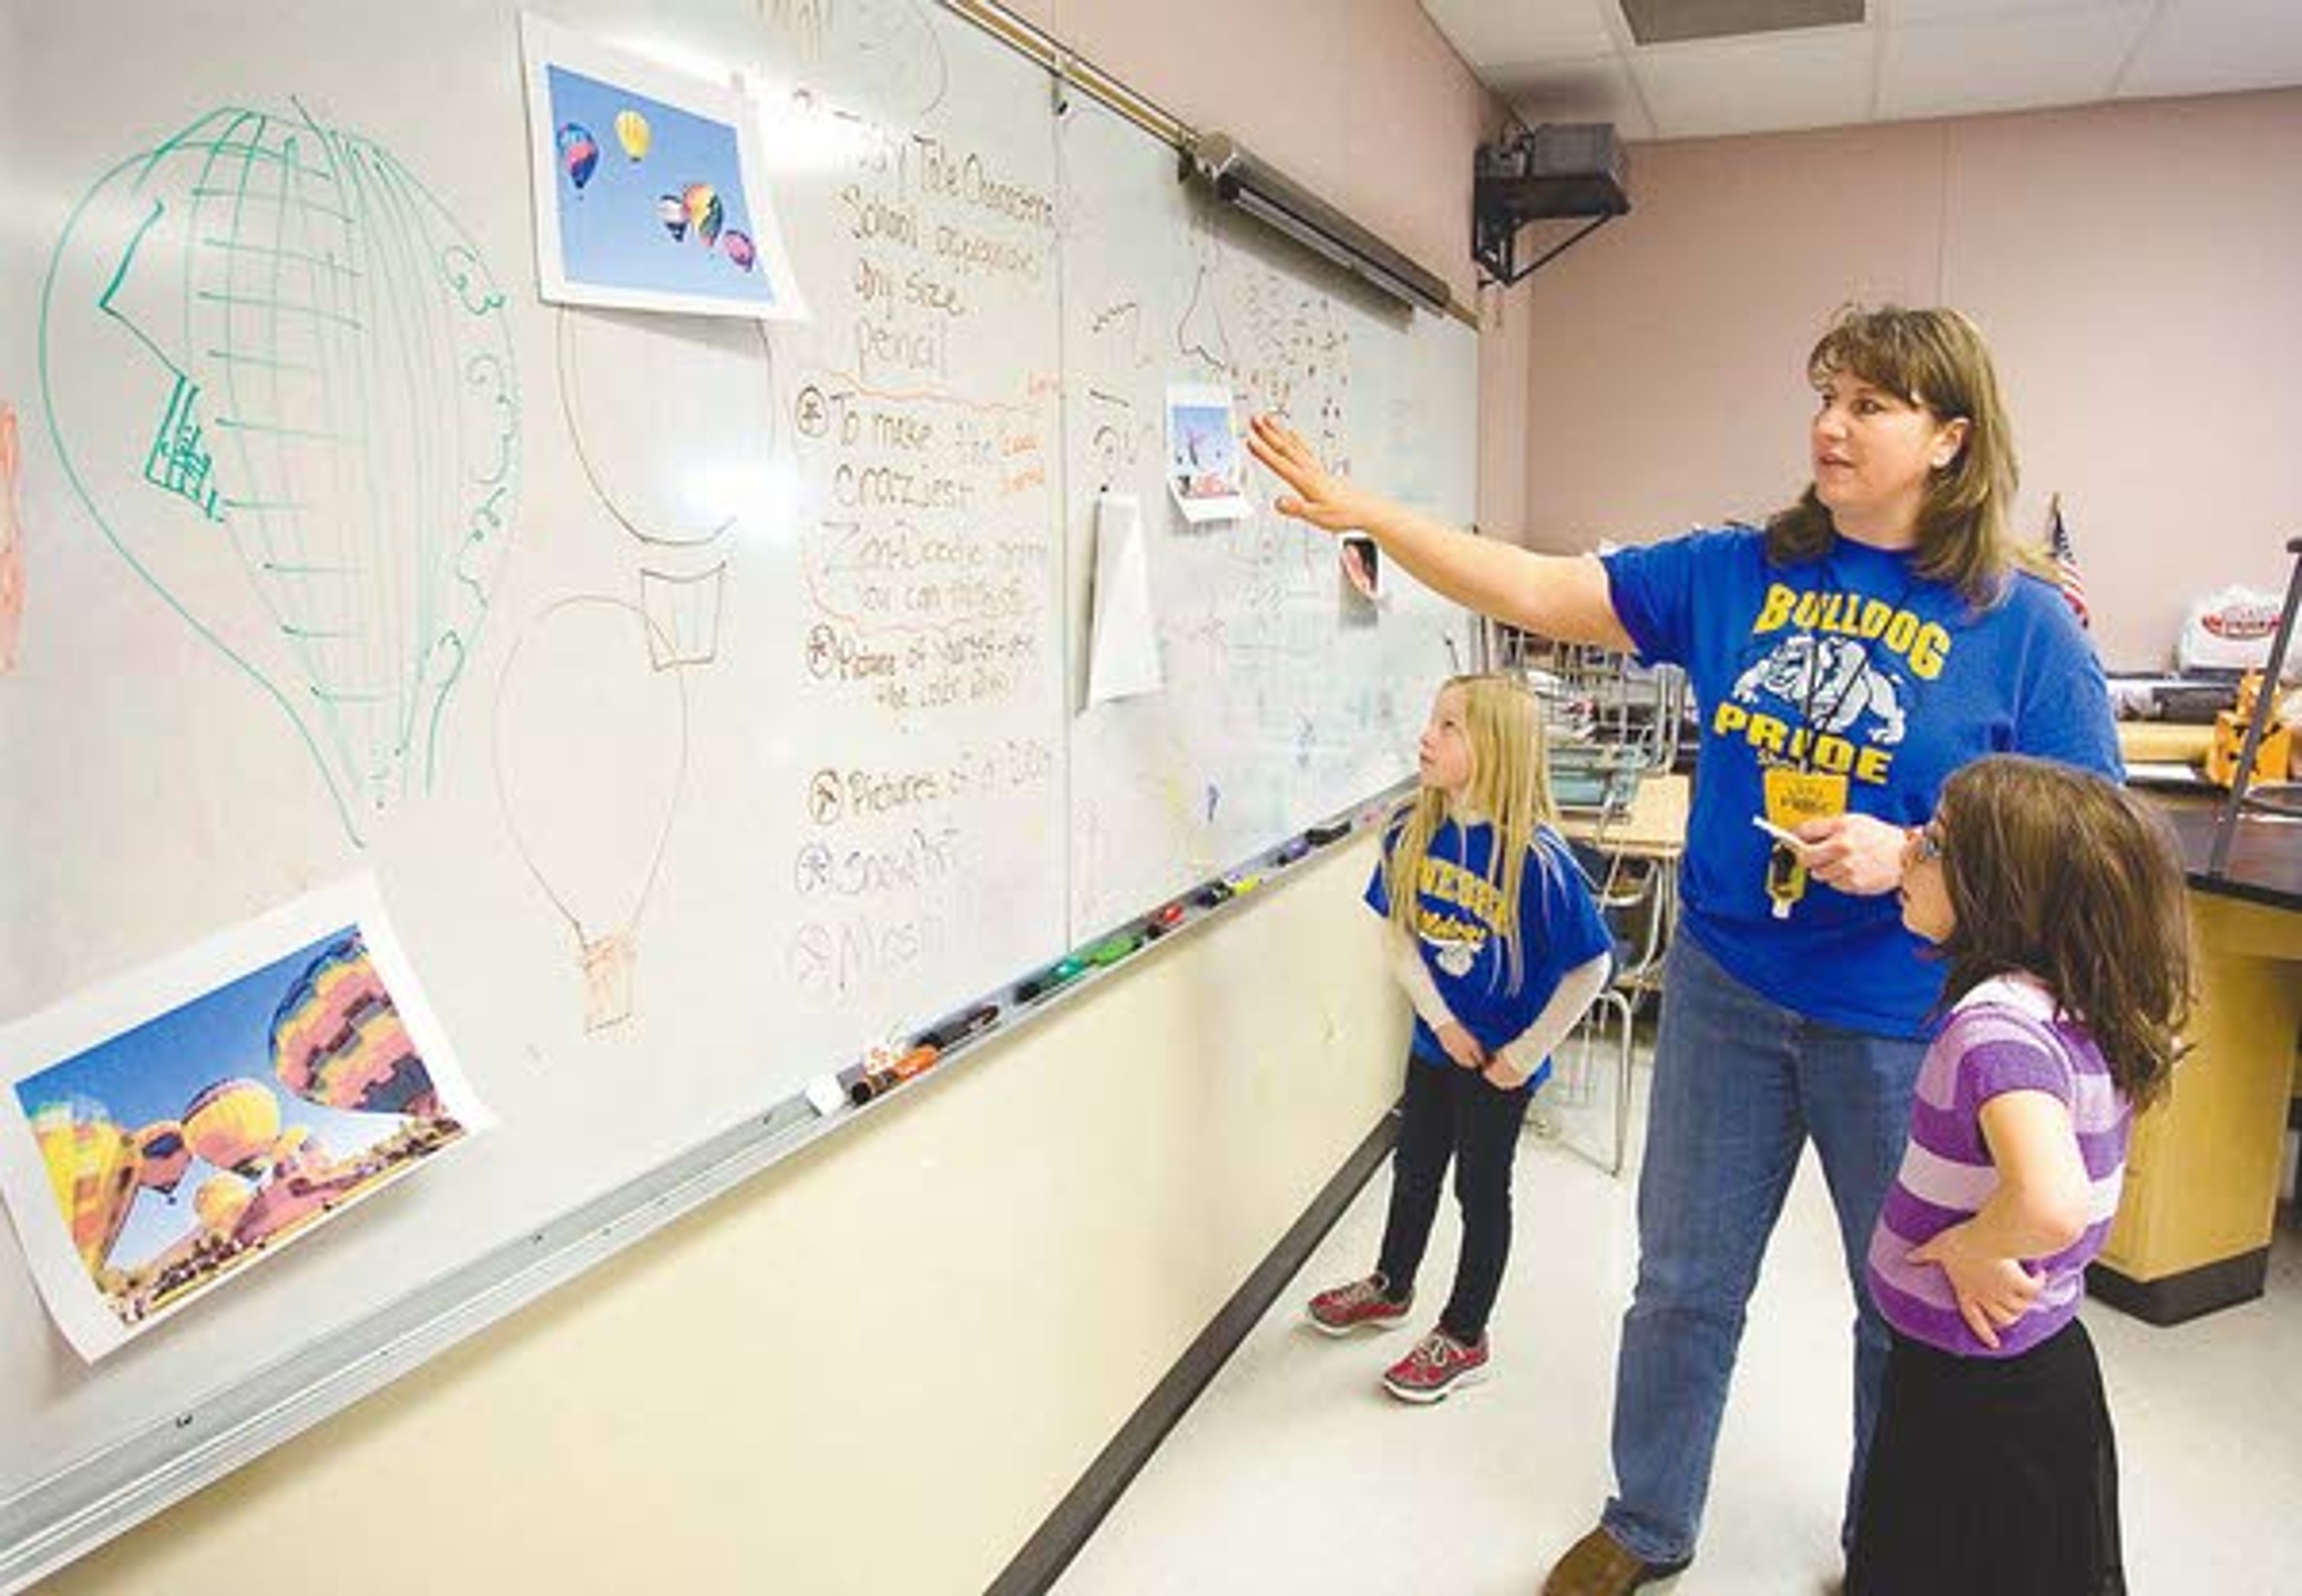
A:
(1937, 360)
(2055, 872)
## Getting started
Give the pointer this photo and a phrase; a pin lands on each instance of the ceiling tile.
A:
(1597, 90)
(1498, 33)
(2208, 46)
(2063, 57)
(1818, 79)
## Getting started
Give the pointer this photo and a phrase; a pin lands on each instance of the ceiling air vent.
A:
(1677, 22)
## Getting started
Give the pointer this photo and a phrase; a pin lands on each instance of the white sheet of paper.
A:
(1123, 645)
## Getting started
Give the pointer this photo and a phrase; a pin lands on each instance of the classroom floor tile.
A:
(1295, 1473)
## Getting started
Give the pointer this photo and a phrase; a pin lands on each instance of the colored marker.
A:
(1048, 979)
(1240, 885)
(1163, 922)
(1319, 837)
(1290, 853)
(874, 1083)
(959, 1027)
(1110, 950)
(1213, 894)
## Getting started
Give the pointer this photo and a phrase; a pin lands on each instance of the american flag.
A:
(2066, 561)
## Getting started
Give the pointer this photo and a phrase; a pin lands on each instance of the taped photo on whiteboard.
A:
(163, 1130)
(651, 186)
(1204, 462)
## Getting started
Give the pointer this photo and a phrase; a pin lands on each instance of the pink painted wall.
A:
(1361, 100)
(2137, 269)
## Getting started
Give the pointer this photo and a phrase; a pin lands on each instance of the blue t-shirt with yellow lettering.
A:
(1560, 929)
(1851, 666)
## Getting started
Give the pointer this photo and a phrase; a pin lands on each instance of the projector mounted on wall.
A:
(1240, 180)
(1559, 169)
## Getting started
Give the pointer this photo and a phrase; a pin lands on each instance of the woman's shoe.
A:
(1599, 1565)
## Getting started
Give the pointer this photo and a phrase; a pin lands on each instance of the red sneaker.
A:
(1359, 1306)
(1439, 1364)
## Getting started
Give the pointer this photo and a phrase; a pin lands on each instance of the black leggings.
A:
(1451, 1113)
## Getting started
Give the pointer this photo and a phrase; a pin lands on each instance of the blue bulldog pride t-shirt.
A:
(1456, 923)
(1852, 671)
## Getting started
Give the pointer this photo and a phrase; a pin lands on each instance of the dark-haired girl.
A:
(2057, 904)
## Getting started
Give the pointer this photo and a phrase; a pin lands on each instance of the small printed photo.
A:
(649, 188)
(1203, 457)
(1360, 558)
(160, 1133)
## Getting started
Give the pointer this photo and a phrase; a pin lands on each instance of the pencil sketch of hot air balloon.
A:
(278, 375)
(233, 1125)
(632, 132)
(161, 1157)
(591, 749)
(675, 433)
(337, 1040)
(92, 1168)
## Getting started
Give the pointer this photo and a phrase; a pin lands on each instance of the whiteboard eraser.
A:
(826, 1095)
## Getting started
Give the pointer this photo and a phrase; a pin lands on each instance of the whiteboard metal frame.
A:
(1076, 72)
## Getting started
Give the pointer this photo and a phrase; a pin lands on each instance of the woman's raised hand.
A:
(1320, 496)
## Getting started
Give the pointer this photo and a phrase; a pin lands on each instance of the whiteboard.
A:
(703, 698)
(1284, 699)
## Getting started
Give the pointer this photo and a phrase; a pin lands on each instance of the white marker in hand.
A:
(1796, 842)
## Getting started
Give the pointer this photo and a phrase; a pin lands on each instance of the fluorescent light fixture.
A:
(1239, 179)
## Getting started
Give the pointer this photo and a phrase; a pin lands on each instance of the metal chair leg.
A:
(1619, 1005)
(1622, 1085)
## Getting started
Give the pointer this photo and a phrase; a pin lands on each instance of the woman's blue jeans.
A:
(1740, 1083)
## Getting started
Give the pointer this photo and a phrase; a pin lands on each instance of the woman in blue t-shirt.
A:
(1847, 658)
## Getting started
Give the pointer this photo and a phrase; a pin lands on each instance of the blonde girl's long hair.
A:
(1509, 785)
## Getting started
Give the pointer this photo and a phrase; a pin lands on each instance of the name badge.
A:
(1795, 797)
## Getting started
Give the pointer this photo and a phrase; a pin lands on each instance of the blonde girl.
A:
(1493, 935)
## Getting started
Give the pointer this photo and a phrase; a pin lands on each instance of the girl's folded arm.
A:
(1576, 991)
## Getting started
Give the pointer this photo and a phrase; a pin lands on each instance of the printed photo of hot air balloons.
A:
(649, 188)
(163, 1130)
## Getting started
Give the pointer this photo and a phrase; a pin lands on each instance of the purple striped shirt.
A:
(2005, 1035)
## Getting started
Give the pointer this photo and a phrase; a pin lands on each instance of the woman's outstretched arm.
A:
(1560, 596)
